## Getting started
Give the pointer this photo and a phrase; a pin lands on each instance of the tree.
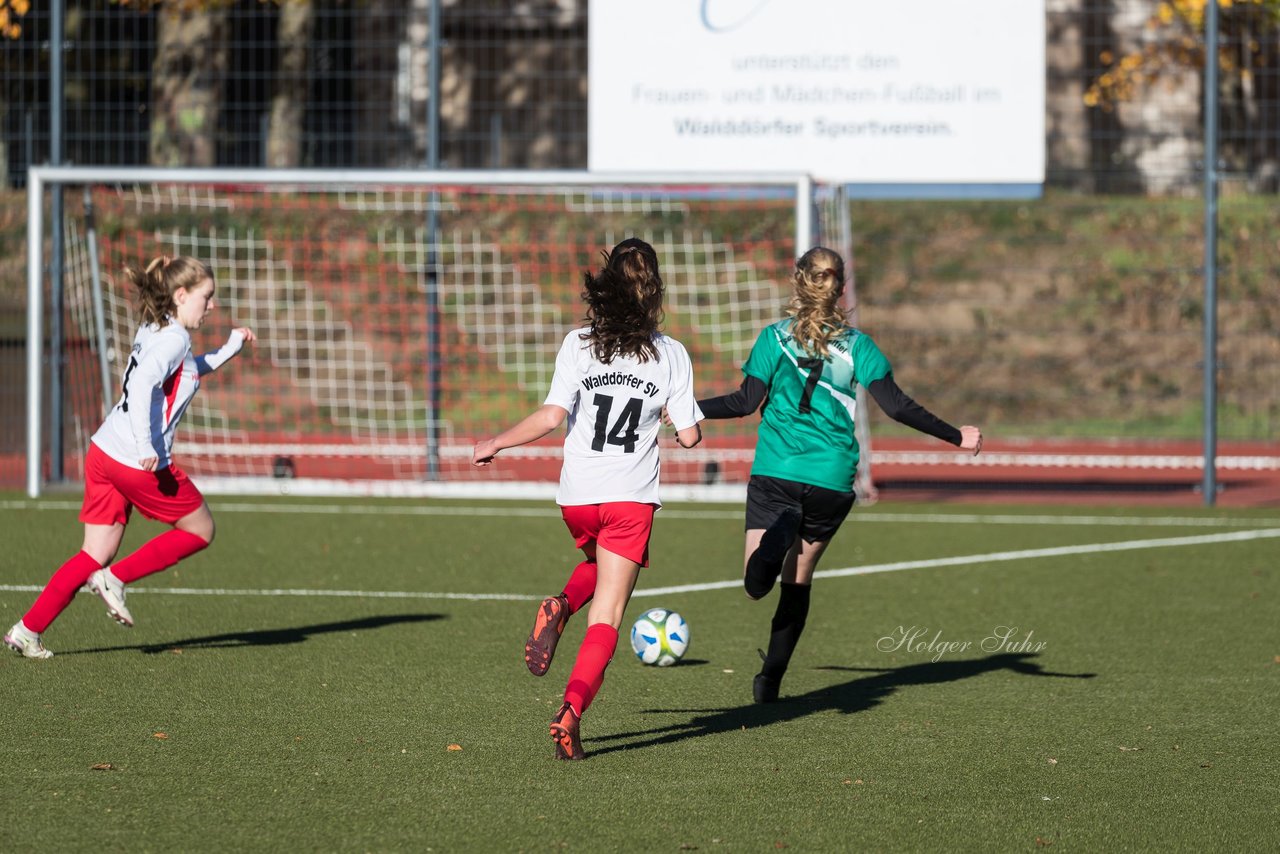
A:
(10, 29)
(10, 12)
(289, 101)
(189, 78)
(1248, 56)
(188, 75)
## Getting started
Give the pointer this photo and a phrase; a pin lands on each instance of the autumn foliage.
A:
(10, 12)
(1174, 41)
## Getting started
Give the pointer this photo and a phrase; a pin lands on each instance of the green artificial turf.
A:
(1138, 711)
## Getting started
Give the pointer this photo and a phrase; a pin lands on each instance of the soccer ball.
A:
(660, 637)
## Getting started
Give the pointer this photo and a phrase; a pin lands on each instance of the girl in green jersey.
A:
(807, 367)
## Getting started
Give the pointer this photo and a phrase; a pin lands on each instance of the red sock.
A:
(581, 585)
(60, 590)
(157, 554)
(588, 670)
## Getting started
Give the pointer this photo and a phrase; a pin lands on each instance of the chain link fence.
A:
(345, 84)
(1077, 314)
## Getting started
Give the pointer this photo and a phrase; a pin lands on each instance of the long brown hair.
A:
(156, 283)
(819, 284)
(624, 302)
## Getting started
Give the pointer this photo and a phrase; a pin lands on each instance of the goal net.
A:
(400, 316)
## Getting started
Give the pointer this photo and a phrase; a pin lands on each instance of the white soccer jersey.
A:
(611, 447)
(160, 379)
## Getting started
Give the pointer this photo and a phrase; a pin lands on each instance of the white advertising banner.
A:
(849, 91)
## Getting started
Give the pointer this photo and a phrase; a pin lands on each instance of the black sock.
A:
(788, 625)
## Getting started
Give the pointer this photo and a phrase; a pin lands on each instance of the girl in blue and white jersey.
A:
(130, 463)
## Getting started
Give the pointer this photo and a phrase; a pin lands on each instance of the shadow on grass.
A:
(268, 637)
(856, 695)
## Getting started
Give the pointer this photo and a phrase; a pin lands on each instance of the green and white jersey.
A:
(806, 432)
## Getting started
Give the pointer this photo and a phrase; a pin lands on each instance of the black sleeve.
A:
(744, 401)
(895, 403)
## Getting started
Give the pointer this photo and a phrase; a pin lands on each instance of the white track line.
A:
(672, 513)
(961, 560)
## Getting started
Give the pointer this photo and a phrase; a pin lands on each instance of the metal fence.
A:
(1079, 312)
(301, 84)
(345, 84)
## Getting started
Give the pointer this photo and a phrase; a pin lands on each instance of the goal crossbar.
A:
(40, 178)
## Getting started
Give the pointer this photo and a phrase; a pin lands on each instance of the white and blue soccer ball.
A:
(660, 637)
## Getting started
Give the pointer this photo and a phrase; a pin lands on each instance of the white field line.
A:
(995, 557)
(283, 591)
(672, 513)
(960, 560)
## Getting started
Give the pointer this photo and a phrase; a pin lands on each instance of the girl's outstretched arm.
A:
(210, 362)
(532, 427)
(901, 408)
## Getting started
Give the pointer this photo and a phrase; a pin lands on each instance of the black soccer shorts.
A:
(821, 510)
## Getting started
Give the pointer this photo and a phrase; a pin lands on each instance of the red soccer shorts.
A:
(622, 527)
(112, 490)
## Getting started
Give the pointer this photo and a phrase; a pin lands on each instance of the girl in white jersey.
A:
(129, 462)
(612, 381)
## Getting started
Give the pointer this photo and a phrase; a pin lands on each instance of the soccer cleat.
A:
(553, 613)
(111, 590)
(564, 731)
(23, 640)
(765, 564)
(764, 689)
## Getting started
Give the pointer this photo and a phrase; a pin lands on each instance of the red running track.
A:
(1091, 472)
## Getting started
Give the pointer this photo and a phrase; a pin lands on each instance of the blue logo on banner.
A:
(724, 25)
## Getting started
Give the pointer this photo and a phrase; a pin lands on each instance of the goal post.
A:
(385, 351)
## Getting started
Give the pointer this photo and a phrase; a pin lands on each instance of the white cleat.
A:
(111, 590)
(23, 640)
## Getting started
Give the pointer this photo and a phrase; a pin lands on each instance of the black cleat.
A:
(765, 689)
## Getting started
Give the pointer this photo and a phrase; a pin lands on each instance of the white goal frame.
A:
(40, 178)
